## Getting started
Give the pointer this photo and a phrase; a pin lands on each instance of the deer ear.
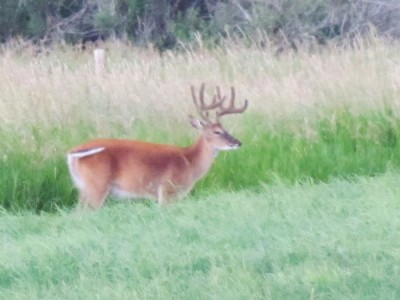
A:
(196, 123)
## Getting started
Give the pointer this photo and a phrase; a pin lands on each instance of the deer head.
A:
(212, 130)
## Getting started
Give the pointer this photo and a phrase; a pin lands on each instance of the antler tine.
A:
(199, 106)
(231, 108)
(201, 94)
(218, 92)
(194, 96)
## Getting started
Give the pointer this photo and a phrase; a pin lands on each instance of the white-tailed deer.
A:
(137, 169)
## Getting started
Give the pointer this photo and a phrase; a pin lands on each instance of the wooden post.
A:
(99, 56)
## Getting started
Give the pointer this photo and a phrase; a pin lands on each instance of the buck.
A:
(138, 169)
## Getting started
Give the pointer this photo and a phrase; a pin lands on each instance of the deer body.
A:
(138, 169)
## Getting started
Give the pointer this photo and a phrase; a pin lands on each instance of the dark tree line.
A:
(165, 23)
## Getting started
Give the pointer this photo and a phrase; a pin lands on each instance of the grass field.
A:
(306, 209)
(326, 241)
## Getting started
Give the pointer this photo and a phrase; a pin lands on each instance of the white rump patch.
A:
(71, 164)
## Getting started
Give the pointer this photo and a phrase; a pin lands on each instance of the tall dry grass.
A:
(61, 86)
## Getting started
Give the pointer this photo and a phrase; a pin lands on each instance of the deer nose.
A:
(236, 143)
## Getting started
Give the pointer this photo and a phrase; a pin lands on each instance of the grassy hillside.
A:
(326, 241)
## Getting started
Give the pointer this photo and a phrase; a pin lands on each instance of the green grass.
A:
(34, 175)
(346, 146)
(327, 241)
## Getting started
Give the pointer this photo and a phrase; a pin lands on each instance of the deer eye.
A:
(218, 132)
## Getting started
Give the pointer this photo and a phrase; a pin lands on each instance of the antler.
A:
(231, 109)
(202, 108)
(217, 102)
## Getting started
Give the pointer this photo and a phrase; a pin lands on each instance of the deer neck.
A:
(201, 157)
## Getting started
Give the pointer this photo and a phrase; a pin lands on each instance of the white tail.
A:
(129, 168)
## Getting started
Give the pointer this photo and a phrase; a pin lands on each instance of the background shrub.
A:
(284, 24)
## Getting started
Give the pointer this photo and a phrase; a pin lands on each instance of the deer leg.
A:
(94, 192)
(93, 198)
(161, 194)
(95, 186)
(166, 193)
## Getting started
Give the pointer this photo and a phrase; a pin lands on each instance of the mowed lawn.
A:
(337, 240)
